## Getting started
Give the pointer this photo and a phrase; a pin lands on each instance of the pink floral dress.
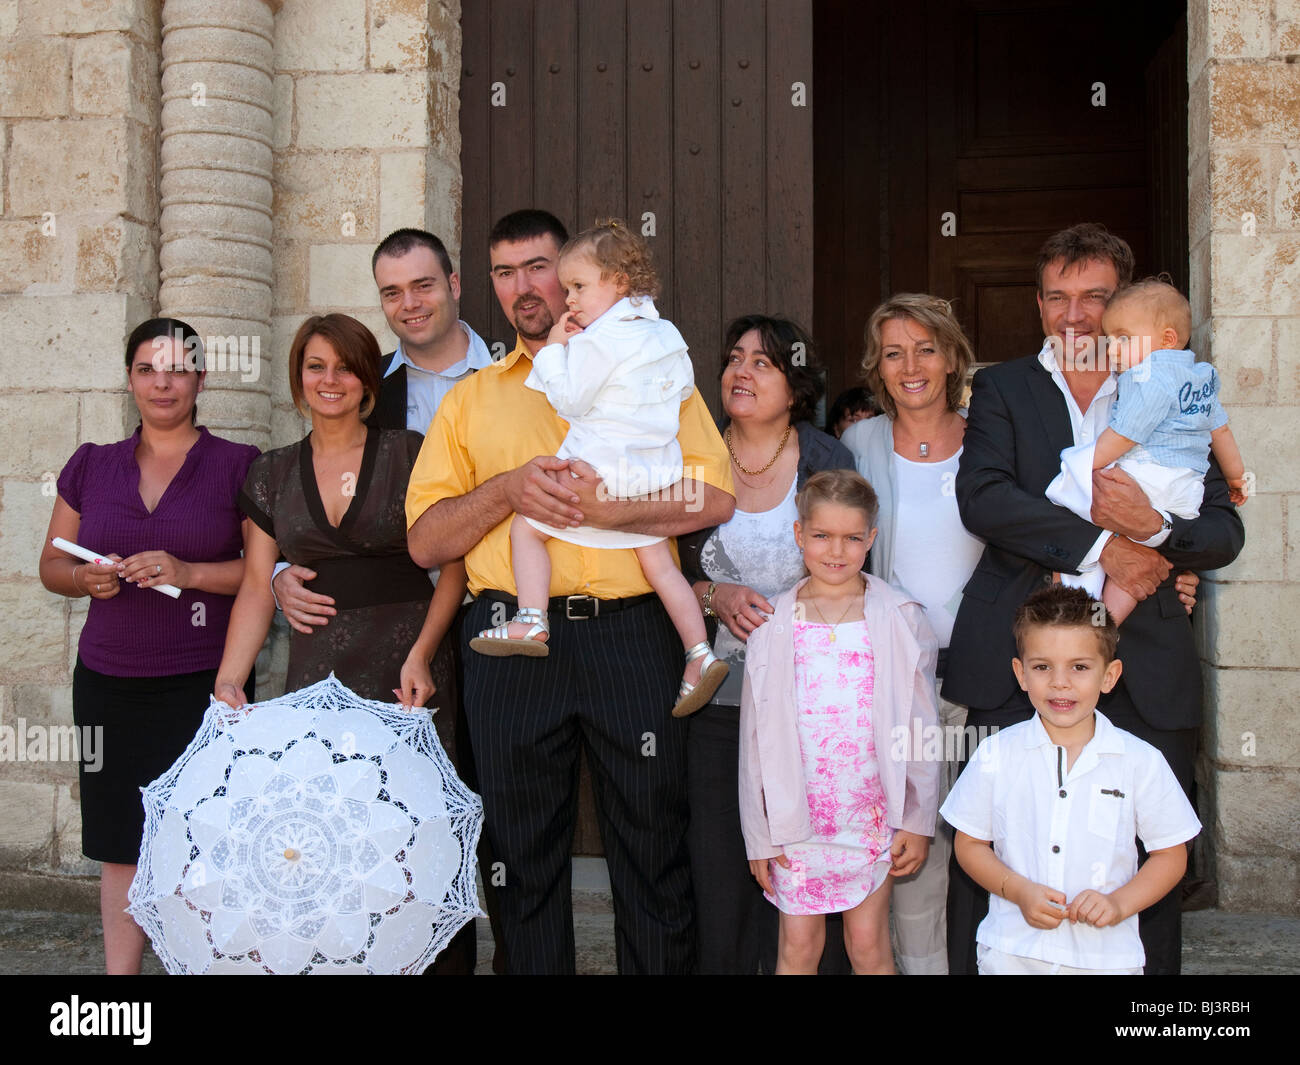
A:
(847, 857)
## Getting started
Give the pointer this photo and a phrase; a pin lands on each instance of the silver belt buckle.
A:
(589, 606)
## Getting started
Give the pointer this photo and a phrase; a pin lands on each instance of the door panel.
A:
(987, 113)
(676, 113)
(679, 109)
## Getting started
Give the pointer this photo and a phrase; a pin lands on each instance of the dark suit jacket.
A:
(1018, 426)
(390, 411)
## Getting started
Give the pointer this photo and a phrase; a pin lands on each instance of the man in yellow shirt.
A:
(610, 679)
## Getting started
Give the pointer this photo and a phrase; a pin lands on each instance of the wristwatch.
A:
(706, 601)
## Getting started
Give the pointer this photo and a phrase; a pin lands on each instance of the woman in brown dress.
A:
(335, 502)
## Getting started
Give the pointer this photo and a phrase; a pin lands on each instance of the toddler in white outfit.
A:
(1166, 420)
(618, 374)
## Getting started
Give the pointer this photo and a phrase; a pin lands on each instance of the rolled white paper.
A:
(76, 550)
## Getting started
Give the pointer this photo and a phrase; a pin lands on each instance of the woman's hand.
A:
(908, 852)
(148, 569)
(416, 682)
(98, 581)
(1186, 583)
(230, 694)
(740, 608)
(760, 870)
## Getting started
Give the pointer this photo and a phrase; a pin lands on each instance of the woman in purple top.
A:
(161, 504)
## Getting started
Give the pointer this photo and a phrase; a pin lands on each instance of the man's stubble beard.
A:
(546, 324)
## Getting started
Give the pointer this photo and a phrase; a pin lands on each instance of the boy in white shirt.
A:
(1047, 810)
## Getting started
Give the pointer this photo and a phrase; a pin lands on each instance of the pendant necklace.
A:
(825, 622)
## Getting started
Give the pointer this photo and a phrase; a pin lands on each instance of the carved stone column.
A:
(215, 254)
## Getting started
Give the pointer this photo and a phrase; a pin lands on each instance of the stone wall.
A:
(367, 139)
(1244, 166)
(361, 133)
(79, 119)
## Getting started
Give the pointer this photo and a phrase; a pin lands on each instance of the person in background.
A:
(851, 406)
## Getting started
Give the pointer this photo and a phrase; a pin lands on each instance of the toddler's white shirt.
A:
(1070, 830)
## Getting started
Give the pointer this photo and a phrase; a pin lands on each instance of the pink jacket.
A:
(773, 798)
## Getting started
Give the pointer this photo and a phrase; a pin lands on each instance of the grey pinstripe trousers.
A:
(607, 687)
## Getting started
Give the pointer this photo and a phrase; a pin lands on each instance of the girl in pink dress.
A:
(835, 796)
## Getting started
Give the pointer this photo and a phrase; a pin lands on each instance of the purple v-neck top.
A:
(140, 632)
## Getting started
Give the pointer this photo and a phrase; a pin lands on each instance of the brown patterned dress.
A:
(382, 597)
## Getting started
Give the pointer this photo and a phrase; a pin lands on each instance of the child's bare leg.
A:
(532, 568)
(866, 934)
(123, 939)
(1118, 602)
(678, 598)
(799, 944)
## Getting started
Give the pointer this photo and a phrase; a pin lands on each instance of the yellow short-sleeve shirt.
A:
(491, 423)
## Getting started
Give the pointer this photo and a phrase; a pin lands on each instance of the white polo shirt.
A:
(1070, 830)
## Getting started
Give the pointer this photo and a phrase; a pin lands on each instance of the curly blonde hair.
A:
(616, 251)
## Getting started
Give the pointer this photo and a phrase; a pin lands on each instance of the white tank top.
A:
(934, 555)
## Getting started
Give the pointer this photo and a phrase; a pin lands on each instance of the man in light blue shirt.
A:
(420, 296)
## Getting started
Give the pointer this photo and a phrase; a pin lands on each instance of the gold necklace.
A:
(761, 469)
(823, 616)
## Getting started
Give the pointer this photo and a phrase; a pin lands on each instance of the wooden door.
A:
(987, 126)
(684, 115)
(694, 116)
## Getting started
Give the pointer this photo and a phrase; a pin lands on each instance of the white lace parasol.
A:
(314, 833)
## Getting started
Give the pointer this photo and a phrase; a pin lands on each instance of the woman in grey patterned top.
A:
(770, 387)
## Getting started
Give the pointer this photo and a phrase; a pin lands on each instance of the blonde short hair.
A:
(935, 316)
(1164, 303)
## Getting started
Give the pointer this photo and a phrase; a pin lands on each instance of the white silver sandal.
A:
(713, 671)
(498, 643)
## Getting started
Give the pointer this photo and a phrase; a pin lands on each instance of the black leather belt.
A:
(572, 607)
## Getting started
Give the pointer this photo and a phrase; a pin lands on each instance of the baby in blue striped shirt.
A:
(1166, 420)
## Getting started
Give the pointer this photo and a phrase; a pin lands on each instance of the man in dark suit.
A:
(1022, 414)
(420, 295)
